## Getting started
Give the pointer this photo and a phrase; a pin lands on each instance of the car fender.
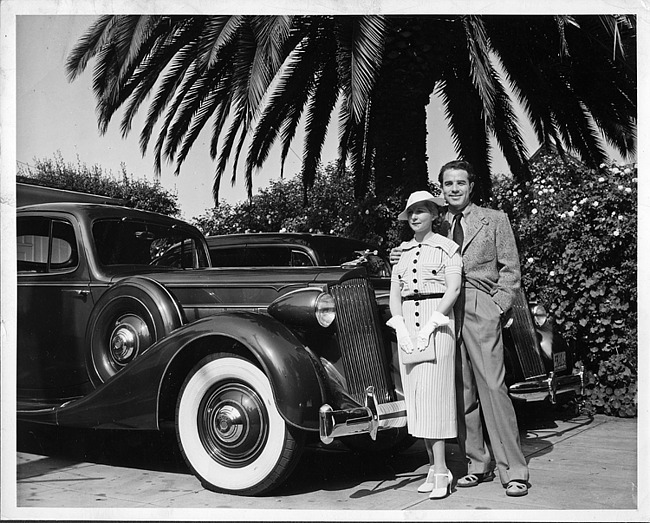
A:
(132, 398)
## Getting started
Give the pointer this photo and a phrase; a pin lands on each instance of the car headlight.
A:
(325, 309)
(309, 307)
(540, 315)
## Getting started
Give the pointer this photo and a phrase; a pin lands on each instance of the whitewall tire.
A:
(229, 429)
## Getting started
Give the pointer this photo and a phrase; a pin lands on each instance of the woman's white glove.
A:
(403, 338)
(437, 320)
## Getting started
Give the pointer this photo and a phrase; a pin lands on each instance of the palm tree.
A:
(258, 77)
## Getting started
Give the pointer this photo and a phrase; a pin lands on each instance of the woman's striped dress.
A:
(429, 388)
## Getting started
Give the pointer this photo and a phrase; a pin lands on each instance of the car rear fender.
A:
(144, 394)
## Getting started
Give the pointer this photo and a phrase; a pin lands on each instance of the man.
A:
(491, 275)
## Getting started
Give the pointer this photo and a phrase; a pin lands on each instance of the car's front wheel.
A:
(229, 429)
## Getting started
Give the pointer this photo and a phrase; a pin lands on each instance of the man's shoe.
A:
(516, 488)
(471, 480)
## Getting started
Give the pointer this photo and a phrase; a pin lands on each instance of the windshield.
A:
(132, 242)
(341, 251)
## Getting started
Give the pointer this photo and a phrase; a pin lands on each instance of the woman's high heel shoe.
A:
(441, 485)
(428, 483)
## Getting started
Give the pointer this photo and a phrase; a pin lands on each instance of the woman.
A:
(424, 286)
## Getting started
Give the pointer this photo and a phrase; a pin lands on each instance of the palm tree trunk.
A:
(399, 137)
(399, 129)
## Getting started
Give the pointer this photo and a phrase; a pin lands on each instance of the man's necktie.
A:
(458, 235)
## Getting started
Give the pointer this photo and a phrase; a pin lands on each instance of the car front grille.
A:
(524, 338)
(360, 339)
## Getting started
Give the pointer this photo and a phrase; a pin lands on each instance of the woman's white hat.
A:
(417, 197)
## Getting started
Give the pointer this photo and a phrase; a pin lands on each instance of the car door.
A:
(53, 307)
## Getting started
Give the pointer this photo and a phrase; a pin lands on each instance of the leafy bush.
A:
(139, 194)
(577, 237)
(329, 207)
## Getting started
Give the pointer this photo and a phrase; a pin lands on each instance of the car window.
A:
(228, 256)
(45, 245)
(268, 256)
(301, 259)
(132, 242)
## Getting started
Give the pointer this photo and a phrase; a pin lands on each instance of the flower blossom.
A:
(601, 179)
(534, 211)
(616, 232)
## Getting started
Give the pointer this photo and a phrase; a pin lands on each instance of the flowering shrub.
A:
(577, 237)
(140, 194)
(329, 208)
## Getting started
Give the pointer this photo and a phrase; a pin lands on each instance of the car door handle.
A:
(83, 294)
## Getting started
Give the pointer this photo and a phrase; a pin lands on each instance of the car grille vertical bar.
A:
(360, 339)
(524, 337)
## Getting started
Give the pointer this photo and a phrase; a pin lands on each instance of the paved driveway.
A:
(576, 462)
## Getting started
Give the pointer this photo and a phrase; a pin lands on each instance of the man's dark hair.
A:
(458, 164)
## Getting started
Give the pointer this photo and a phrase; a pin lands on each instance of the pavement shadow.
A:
(538, 425)
(332, 467)
(335, 467)
(146, 450)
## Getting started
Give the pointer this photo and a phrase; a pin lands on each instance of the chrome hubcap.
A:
(129, 335)
(233, 424)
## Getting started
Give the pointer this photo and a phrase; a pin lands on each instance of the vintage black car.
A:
(246, 365)
(269, 249)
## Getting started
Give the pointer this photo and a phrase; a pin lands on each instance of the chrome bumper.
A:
(368, 419)
(551, 387)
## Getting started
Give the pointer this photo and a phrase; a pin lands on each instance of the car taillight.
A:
(539, 315)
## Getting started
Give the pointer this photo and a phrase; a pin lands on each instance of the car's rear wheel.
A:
(128, 318)
(229, 429)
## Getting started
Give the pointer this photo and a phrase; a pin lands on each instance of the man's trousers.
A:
(480, 383)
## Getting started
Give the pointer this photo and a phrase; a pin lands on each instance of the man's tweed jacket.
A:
(490, 258)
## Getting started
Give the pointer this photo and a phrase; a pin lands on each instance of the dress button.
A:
(415, 291)
(415, 280)
(419, 245)
(417, 313)
(417, 324)
(417, 303)
(415, 261)
(415, 270)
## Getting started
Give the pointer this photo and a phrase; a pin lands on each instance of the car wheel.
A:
(230, 432)
(127, 319)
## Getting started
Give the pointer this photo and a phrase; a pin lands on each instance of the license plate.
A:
(559, 361)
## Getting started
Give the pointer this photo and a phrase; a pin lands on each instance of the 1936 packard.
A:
(246, 365)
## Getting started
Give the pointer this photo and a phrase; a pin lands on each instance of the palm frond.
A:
(478, 49)
(367, 42)
(89, 45)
